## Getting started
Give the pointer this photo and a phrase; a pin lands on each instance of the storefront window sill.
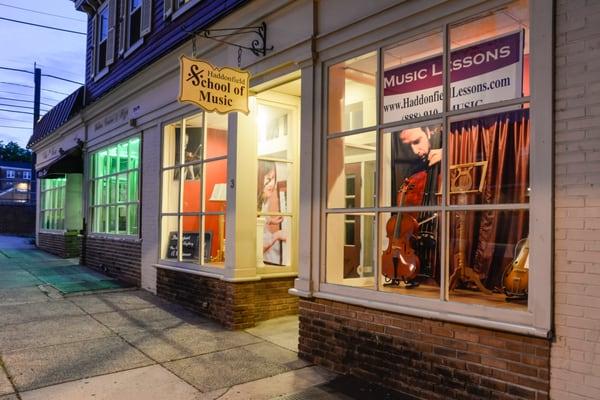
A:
(513, 321)
(53, 231)
(122, 238)
(213, 272)
(287, 274)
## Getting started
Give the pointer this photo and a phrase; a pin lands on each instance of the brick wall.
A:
(62, 244)
(17, 219)
(118, 258)
(238, 305)
(428, 359)
(575, 364)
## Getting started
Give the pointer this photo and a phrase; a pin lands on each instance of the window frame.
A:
(52, 191)
(131, 46)
(201, 266)
(537, 320)
(93, 204)
(181, 9)
(100, 72)
(10, 174)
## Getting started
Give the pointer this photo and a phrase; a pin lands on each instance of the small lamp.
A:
(219, 194)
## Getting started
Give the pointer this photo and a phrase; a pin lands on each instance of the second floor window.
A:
(26, 175)
(135, 19)
(102, 38)
(10, 173)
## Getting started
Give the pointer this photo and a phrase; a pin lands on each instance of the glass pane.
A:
(112, 160)
(410, 253)
(123, 156)
(133, 220)
(214, 239)
(193, 138)
(122, 188)
(490, 57)
(101, 192)
(192, 191)
(489, 261)
(274, 189)
(274, 135)
(169, 238)
(171, 144)
(112, 189)
(489, 159)
(133, 186)
(216, 135)
(351, 93)
(215, 191)
(170, 190)
(351, 251)
(413, 79)
(411, 166)
(122, 219)
(134, 153)
(101, 163)
(352, 155)
(276, 240)
(112, 219)
(190, 229)
(99, 219)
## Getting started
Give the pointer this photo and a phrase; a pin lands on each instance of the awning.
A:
(70, 162)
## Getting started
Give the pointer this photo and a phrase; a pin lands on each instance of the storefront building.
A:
(415, 179)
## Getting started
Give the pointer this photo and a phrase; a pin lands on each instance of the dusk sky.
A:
(57, 53)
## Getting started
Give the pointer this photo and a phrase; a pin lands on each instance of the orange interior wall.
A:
(214, 172)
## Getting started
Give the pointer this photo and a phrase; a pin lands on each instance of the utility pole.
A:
(37, 82)
(37, 88)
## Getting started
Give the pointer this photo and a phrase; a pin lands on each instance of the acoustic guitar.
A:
(516, 277)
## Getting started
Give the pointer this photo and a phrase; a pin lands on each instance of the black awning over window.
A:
(70, 162)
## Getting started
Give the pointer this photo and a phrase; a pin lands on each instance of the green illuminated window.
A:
(114, 187)
(52, 203)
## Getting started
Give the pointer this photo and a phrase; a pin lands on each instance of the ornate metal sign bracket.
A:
(258, 46)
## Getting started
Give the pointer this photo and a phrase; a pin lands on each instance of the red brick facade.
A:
(62, 244)
(238, 305)
(428, 359)
(118, 258)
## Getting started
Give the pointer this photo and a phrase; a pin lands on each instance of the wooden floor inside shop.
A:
(459, 295)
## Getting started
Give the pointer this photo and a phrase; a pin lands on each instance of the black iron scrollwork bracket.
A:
(258, 46)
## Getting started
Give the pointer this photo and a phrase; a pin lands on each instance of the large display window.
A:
(52, 203)
(193, 185)
(428, 188)
(114, 188)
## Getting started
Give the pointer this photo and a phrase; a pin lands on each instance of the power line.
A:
(18, 112)
(31, 87)
(12, 119)
(41, 12)
(30, 95)
(46, 75)
(25, 101)
(14, 127)
(12, 105)
(43, 26)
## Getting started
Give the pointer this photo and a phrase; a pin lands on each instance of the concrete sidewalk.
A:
(129, 344)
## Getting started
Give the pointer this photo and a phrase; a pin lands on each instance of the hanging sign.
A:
(483, 73)
(214, 89)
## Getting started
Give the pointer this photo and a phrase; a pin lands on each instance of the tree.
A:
(11, 151)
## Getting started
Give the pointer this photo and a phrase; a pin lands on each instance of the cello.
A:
(399, 262)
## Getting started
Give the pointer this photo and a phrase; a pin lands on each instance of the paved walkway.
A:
(129, 344)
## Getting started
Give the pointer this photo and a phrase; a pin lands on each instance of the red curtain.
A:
(490, 236)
